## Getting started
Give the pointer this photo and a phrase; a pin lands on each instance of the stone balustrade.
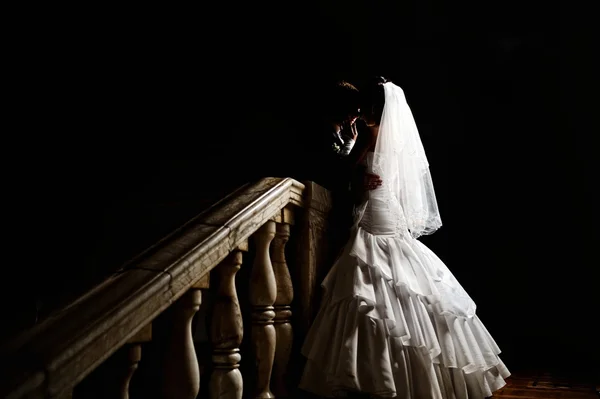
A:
(275, 230)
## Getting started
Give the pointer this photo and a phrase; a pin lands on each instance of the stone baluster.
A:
(182, 373)
(285, 295)
(113, 378)
(263, 292)
(227, 330)
(312, 253)
(131, 356)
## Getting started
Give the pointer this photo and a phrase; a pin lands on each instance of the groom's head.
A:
(342, 103)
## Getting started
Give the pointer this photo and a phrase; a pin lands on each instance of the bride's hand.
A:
(349, 129)
(371, 181)
(352, 128)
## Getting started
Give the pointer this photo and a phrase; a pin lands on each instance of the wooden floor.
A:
(546, 386)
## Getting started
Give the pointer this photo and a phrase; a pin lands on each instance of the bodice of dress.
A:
(381, 213)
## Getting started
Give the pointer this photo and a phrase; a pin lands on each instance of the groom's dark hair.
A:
(341, 100)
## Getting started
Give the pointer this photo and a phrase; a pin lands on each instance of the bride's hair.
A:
(373, 99)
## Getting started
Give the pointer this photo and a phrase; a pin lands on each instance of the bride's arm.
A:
(365, 142)
(348, 133)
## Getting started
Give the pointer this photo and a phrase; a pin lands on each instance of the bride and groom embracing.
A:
(393, 321)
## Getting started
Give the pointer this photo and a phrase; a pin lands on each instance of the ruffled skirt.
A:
(394, 322)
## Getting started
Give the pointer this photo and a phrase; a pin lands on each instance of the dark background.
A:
(126, 122)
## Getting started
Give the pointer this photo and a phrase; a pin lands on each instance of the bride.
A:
(394, 321)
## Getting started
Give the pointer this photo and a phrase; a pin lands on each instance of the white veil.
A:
(399, 159)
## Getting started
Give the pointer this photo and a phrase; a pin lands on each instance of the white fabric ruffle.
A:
(394, 322)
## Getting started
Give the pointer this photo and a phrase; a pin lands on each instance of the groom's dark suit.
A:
(331, 166)
(328, 155)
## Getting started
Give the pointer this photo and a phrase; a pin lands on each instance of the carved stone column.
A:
(285, 295)
(263, 292)
(227, 331)
(312, 251)
(132, 354)
(182, 374)
(112, 378)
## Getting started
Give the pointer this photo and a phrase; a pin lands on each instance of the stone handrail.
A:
(52, 358)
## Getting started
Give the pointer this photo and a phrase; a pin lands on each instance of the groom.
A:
(339, 146)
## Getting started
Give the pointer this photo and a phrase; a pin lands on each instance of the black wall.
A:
(117, 109)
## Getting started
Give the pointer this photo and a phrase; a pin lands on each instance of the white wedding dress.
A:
(395, 322)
